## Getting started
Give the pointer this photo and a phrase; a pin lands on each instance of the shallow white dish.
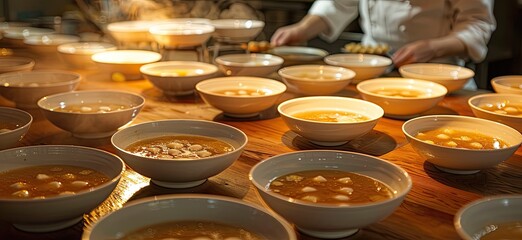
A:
(497, 99)
(48, 43)
(299, 54)
(365, 66)
(507, 84)
(14, 64)
(453, 77)
(20, 119)
(253, 64)
(125, 63)
(181, 34)
(316, 79)
(78, 55)
(236, 30)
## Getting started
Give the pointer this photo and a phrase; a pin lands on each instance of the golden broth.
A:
(504, 231)
(245, 92)
(92, 108)
(505, 108)
(456, 138)
(399, 92)
(331, 116)
(7, 127)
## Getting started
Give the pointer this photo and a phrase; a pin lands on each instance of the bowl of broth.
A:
(499, 107)
(490, 218)
(236, 30)
(48, 44)
(316, 79)
(365, 66)
(402, 97)
(14, 124)
(124, 64)
(179, 153)
(461, 144)
(239, 96)
(46, 188)
(249, 64)
(317, 189)
(91, 113)
(14, 64)
(179, 34)
(78, 55)
(26, 88)
(329, 120)
(191, 216)
(507, 84)
(452, 77)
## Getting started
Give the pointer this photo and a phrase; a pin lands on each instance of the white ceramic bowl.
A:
(450, 76)
(48, 44)
(236, 30)
(177, 77)
(329, 133)
(365, 66)
(254, 64)
(14, 64)
(330, 220)
(124, 63)
(211, 91)
(484, 215)
(18, 122)
(179, 173)
(17, 35)
(507, 84)
(461, 160)
(316, 79)
(398, 106)
(91, 125)
(298, 54)
(190, 207)
(175, 34)
(497, 99)
(26, 88)
(78, 55)
(131, 31)
(53, 213)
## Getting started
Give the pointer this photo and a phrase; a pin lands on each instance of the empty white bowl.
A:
(179, 173)
(78, 55)
(507, 84)
(236, 30)
(26, 88)
(89, 124)
(177, 77)
(365, 66)
(484, 106)
(461, 160)
(316, 79)
(323, 220)
(14, 64)
(181, 34)
(124, 64)
(190, 207)
(48, 44)
(452, 77)
(235, 105)
(488, 215)
(53, 213)
(330, 133)
(420, 95)
(14, 124)
(254, 64)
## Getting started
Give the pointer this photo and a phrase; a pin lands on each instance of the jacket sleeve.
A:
(337, 14)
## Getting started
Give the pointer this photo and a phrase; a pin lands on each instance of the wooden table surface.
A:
(426, 213)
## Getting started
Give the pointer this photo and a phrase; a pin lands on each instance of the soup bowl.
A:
(131, 31)
(361, 117)
(14, 64)
(236, 30)
(402, 97)
(316, 79)
(191, 207)
(177, 77)
(26, 88)
(507, 84)
(450, 76)
(17, 35)
(241, 96)
(78, 55)
(181, 34)
(59, 211)
(91, 113)
(493, 107)
(365, 66)
(124, 64)
(462, 159)
(14, 124)
(48, 44)
(329, 220)
(180, 172)
(253, 64)
(488, 216)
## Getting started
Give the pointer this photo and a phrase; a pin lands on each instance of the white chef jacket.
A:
(398, 22)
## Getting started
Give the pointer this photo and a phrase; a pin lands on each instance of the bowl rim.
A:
(349, 76)
(506, 78)
(63, 38)
(146, 69)
(333, 60)
(222, 24)
(274, 60)
(102, 91)
(487, 95)
(466, 72)
(326, 205)
(154, 57)
(282, 113)
(360, 87)
(105, 46)
(166, 29)
(23, 62)
(83, 148)
(281, 86)
(25, 125)
(77, 79)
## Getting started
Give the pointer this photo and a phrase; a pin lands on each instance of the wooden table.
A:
(426, 213)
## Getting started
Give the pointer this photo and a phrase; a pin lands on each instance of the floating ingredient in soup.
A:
(7, 127)
(331, 116)
(192, 230)
(47, 181)
(456, 138)
(504, 231)
(91, 108)
(331, 186)
(245, 92)
(399, 92)
(180, 147)
(504, 107)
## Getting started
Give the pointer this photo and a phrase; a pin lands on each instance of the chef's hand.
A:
(309, 27)
(426, 50)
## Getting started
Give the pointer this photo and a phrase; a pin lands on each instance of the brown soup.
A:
(331, 116)
(505, 108)
(331, 186)
(399, 92)
(456, 138)
(191, 230)
(7, 127)
(504, 231)
(245, 92)
(92, 108)
(48, 180)
(180, 147)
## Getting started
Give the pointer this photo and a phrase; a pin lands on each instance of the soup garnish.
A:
(331, 116)
(245, 92)
(456, 138)
(92, 108)
(505, 231)
(399, 92)
(331, 186)
(504, 107)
